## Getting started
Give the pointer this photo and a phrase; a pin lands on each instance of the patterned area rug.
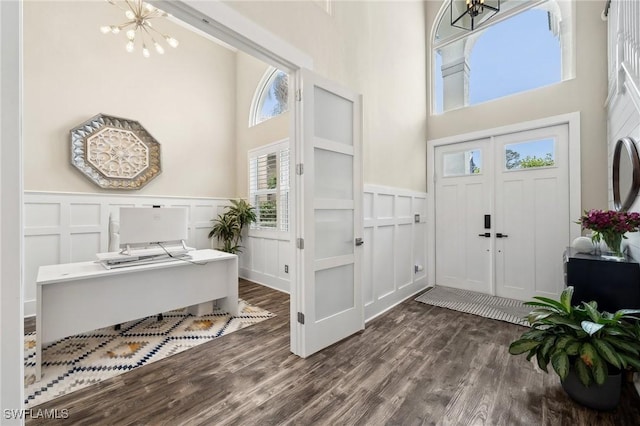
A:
(484, 305)
(79, 361)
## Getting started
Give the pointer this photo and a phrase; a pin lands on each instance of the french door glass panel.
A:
(332, 297)
(334, 233)
(333, 117)
(333, 174)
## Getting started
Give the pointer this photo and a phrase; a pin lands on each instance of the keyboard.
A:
(144, 261)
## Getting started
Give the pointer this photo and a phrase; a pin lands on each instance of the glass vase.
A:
(614, 242)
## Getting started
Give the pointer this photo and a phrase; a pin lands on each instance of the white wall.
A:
(377, 48)
(73, 227)
(624, 120)
(623, 106)
(585, 93)
(184, 98)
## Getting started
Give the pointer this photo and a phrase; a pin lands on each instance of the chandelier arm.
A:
(146, 30)
(116, 5)
(131, 6)
(142, 40)
(126, 24)
(139, 8)
(152, 28)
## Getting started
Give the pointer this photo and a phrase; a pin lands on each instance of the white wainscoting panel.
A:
(70, 227)
(263, 260)
(395, 245)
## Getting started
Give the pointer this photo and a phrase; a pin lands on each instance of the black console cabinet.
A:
(613, 284)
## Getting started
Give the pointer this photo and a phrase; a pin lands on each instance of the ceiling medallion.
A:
(115, 153)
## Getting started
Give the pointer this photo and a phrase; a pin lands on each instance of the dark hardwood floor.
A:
(414, 365)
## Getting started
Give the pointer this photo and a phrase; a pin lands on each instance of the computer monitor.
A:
(146, 225)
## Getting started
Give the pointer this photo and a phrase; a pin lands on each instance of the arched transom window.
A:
(528, 44)
(271, 96)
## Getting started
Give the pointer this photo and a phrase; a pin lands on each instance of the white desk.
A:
(74, 298)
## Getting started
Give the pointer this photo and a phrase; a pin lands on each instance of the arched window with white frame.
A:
(528, 44)
(271, 96)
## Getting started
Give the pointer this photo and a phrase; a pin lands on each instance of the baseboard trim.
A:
(30, 308)
(397, 303)
(246, 275)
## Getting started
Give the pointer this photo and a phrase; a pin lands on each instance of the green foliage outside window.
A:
(529, 161)
(514, 161)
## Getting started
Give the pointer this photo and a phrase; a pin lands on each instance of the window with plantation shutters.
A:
(269, 186)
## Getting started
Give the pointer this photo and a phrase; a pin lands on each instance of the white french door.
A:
(532, 214)
(502, 213)
(330, 217)
(464, 196)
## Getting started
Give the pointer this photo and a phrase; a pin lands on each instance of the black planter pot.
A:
(599, 397)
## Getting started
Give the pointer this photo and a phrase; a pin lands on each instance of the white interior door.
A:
(463, 198)
(532, 212)
(330, 216)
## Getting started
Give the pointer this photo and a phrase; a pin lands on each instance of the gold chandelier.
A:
(138, 26)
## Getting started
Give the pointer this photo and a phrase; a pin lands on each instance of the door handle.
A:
(501, 235)
(359, 242)
(486, 235)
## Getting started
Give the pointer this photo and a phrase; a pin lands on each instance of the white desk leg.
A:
(39, 333)
(230, 303)
(201, 309)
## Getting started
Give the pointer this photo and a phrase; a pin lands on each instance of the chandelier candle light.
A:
(139, 26)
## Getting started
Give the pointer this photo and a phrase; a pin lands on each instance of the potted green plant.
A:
(228, 227)
(586, 348)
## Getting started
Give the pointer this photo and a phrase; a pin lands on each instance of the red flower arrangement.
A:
(610, 226)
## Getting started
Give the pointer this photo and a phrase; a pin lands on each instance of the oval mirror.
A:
(626, 174)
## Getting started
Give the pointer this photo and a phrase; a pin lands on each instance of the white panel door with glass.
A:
(463, 191)
(531, 212)
(521, 180)
(330, 293)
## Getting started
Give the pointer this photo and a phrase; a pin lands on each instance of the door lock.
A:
(359, 242)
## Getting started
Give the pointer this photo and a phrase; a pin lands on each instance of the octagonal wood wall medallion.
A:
(115, 153)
